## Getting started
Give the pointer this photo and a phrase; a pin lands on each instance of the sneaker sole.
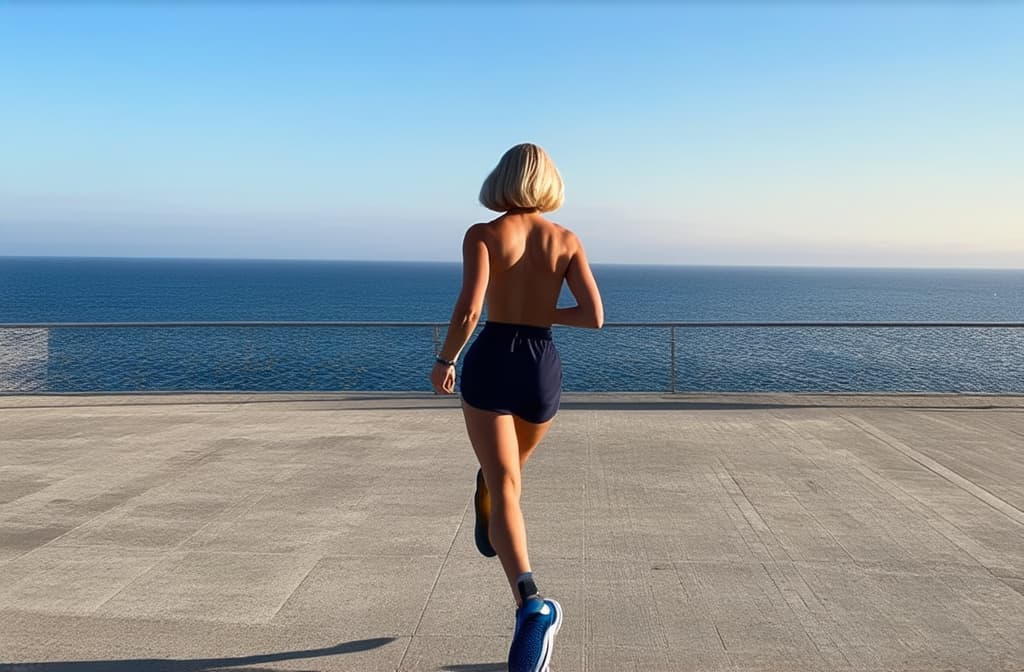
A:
(549, 638)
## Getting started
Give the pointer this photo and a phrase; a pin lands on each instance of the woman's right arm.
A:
(588, 311)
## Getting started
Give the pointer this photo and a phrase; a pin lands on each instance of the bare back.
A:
(528, 258)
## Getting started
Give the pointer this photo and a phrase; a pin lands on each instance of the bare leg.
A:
(497, 446)
(528, 435)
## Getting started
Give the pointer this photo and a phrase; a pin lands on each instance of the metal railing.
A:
(671, 326)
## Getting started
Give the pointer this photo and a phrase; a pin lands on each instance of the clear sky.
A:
(800, 133)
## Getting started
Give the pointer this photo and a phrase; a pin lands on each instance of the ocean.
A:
(35, 289)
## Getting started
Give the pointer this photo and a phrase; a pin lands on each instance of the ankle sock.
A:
(527, 587)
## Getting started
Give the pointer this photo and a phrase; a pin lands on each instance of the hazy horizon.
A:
(455, 262)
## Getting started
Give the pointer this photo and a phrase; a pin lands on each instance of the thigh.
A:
(528, 435)
(493, 436)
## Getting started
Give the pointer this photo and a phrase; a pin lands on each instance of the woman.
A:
(512, 376)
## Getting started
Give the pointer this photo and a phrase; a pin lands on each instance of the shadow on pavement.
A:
(195, 665)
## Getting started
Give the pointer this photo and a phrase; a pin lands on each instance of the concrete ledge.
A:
(570, 400)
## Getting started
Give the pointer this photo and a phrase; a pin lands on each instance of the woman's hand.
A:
(442, 378)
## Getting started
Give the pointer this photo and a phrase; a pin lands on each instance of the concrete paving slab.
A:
(390, 534)
(680, 532)
(77, 580)
(77, 644)
(438, 653)
(363, 597)
(18, 538)
(125, 530)
(259, 530)
(230, 587)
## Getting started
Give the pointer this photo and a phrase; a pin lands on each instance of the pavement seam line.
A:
(804, 615)
(588, 459)
(937, 522)
(804, 439)
(1000, 505)
(289, 596)
(121, 508)
(698, 593)
(437, 579)
(175, 554)
(750, 513)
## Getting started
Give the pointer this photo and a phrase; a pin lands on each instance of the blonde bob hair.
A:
(525, 177)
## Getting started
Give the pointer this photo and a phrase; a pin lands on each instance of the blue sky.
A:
(865, 134)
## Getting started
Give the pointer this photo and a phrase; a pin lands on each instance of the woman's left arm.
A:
(466, 314)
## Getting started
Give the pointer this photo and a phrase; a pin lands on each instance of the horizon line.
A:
(457, 262)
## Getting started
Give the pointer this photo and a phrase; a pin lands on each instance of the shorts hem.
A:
(505, 411)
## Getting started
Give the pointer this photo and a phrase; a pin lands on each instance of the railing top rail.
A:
(398, 324)
(218, 323)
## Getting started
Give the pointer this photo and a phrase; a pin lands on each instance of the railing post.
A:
(672, 358)
(437, 340)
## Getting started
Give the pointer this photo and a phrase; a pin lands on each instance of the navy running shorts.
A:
(513, 369)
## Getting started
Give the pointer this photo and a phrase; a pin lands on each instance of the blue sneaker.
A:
(482, 507)
(537, 623)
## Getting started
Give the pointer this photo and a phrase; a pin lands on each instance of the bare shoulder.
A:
(567, 237)
(478, 232)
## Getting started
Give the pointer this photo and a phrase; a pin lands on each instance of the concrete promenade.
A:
(334, 532)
